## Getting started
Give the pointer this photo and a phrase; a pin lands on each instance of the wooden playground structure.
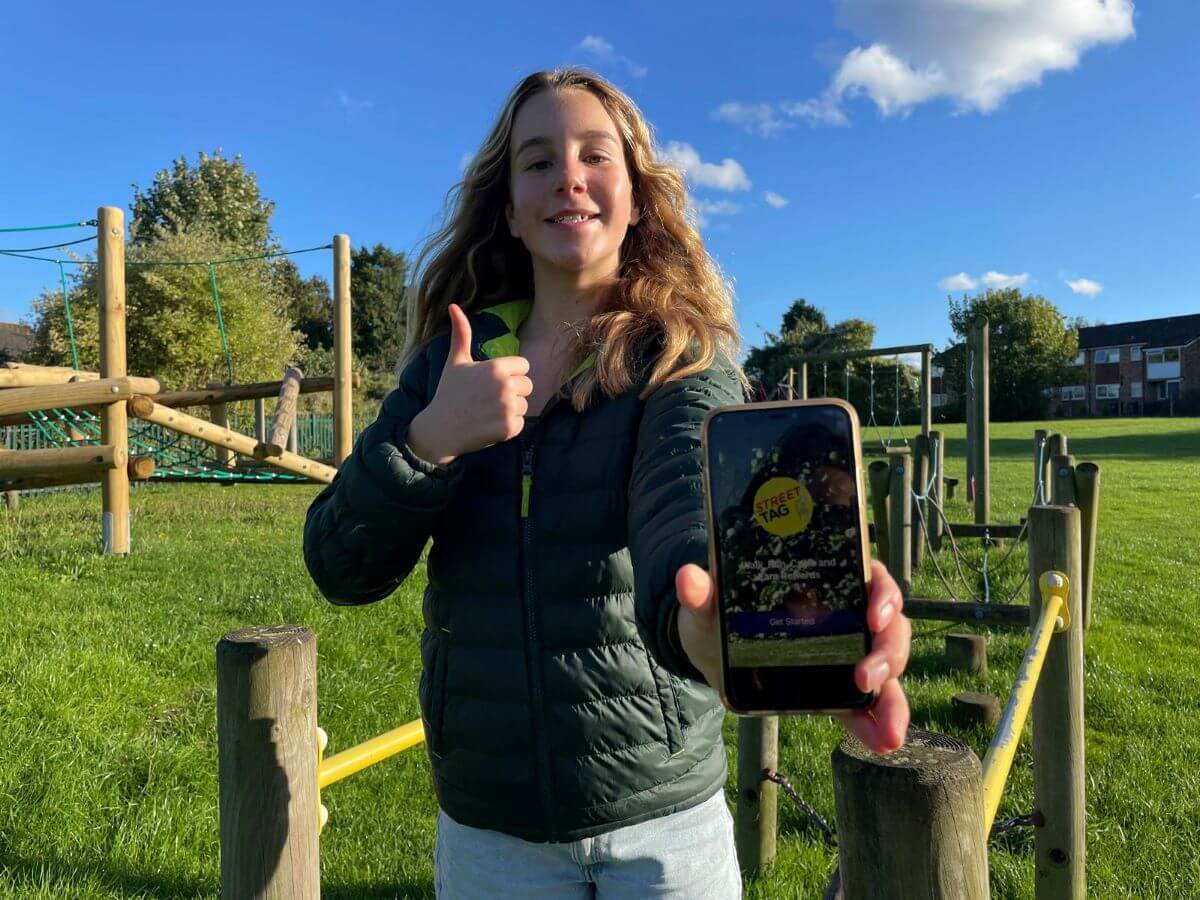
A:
(115, 396)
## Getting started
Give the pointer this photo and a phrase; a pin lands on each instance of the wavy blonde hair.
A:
(668, 294)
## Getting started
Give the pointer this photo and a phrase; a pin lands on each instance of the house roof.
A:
(1172, 331)
(15, 339)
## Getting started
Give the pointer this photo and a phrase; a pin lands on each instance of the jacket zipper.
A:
(541, 745)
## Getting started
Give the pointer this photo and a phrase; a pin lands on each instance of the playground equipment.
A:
(84, 415)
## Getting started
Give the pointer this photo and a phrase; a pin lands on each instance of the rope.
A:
(216, 294)
(813, 816)
(48, 246)
(86, 223)
(62, 277)
(231, 259)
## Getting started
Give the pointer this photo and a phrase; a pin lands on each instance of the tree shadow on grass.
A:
(394, 890)
(63, 876)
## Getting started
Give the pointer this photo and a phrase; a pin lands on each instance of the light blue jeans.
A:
(688, 854)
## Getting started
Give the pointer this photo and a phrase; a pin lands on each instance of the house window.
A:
(1080, 358)
(1107, 355)
(1168, 389)
(1135, 390)
(1108, 391)
(1073, 392)
(1135, 354)
(1171, 354)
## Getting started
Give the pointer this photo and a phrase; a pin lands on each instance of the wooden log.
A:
(141, 468)
(879, 475)
(219, 415)
(18, 464)
(1056, 445)
(900, 524)
(757, 799)
(114, 426)
(283, 418)
(951, 484)
(1041, 487)
(1087, 498)
(803, 381)
(844, 355)
(293, 443)
(982, 411)
(937, 492)
(967, 653)
(920, 508)
(260, 420)
(1062, 483)
(267, 763)
(910, 823)
(972, 708)
(12, 500)
(145, 408)
(1058, 726)
(994, 530)
(37, 376)
(20, 401)
(343, 415)
(994, 614)
(234, 393)
(926, 392)
(790, 385)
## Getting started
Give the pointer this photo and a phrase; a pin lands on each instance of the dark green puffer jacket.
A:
(557, 700)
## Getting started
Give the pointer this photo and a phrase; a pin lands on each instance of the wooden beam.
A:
(26, 469)
(993, 529)
(36, 376)
(232, 393)
(147, 409)
(999, 614)
(21, 401)
(343, 357)
(863, 354)
(284, 417)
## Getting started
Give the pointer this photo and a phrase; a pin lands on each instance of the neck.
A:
(561, 299)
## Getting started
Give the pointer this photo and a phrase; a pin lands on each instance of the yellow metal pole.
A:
(999, 758)
(355, 759)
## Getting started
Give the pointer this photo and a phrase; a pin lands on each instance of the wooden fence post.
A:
(791, 384)
(900, 526)
(1087, 498)
(267, 758)
(1062, 480)
(757, 799)
(803, 381)
(343, 415)
(920, 508)
(926, 392)
(910, 824)
(879, 475)
(12, 499)
(1058, 732)
(114, 425)
(938, 492)
(219, 414)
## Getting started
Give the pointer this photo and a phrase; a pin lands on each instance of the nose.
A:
(572, 179)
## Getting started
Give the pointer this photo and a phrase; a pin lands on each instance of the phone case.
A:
(865, 546)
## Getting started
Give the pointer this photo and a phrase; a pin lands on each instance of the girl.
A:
(568, 333)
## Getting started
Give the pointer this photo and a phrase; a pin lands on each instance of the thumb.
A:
(460, 336)
(694, 586)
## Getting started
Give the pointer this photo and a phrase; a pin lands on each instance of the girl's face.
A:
(567, 157)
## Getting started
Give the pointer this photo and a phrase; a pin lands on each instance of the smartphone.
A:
(788, 545)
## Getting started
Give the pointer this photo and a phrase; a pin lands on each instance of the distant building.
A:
(1132, 368)
(15, 341)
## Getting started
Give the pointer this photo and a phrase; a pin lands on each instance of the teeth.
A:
(572, 219)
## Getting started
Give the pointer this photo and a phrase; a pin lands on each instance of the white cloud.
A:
(971, 52)
(822, 110)
(960, 282)
(999, 281)
(760, 118)
(352, 106)
(727, 175)
(1085, 286)
(776, 200)
(601, 50)
(703, 210)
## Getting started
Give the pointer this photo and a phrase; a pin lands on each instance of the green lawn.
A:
(107, 687)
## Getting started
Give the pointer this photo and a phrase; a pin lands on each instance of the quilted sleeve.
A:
(666, 503)
(366, 530)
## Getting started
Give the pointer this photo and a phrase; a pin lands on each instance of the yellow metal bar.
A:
(355, 759)
(999, 758)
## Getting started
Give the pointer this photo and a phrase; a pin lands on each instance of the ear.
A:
(512, 223)
(635, 215)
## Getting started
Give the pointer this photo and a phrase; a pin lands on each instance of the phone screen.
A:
(786, 530)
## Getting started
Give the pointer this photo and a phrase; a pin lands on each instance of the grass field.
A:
(107, 688)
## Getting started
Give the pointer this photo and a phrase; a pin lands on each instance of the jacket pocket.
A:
(431, 689)
(668, 701)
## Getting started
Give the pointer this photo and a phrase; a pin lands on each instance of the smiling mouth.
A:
(572, 220)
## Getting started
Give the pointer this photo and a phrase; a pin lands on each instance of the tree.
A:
(218, 194)
(310, 306)
(1031, 346)
(806, 330)
(172, 330)
(377, 286)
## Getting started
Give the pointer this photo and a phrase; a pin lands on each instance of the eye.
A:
(597, 156)
(534, 165)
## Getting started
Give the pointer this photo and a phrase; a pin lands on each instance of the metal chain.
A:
(813, 816)
(1029, 820)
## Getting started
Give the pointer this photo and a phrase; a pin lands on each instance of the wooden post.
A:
(879, 474)
(920, 508)
(114, 428)
(1087, 498)
(1041, 488)
(969, 415)
(284, 417)
(900, 526)
(260, 419)
(757, 799)
(937, 448)
(791, 384)
(267, 758)
(343, 421)
(1058, 734)
(1062, 483)
(910, 824)
(967, 653)
(220, 417)
(293, 444)
(926, 392)
(803, 381)
(982, 407)
(12, 499)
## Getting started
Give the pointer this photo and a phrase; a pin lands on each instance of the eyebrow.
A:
(587, 135)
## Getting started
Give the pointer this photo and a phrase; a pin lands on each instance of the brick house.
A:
(1132, 368)
(15, 341)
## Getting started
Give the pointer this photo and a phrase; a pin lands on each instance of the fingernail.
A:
(887, 609)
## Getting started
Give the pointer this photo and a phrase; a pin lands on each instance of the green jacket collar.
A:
(506, 343)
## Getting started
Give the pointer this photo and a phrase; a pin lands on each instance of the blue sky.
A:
(869, 156)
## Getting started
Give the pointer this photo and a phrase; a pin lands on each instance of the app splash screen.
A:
(785, 500)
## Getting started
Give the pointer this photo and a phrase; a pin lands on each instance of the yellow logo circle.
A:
(783, 506)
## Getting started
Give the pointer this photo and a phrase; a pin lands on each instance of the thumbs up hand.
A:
(476, 404)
